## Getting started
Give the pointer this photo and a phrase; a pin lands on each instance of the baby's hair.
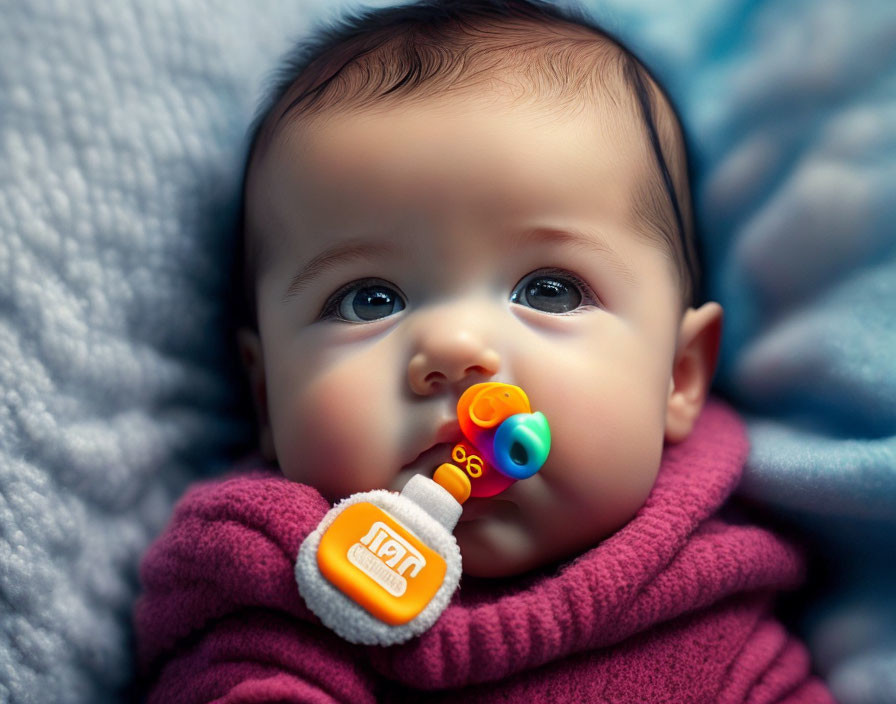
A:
(431, 47)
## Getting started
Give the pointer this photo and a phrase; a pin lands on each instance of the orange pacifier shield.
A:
(486, 405)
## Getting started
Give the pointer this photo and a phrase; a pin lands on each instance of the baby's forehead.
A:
(525, 148)
(464, 111)
(563, 66)
(506, 173)
(312, 144)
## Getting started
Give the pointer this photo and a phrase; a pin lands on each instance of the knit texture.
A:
(673, 607)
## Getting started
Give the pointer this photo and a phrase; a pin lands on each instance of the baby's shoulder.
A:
(244, 507)
(228, 550)
(245, 490)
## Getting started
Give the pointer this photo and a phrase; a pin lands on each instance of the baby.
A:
(439, 195)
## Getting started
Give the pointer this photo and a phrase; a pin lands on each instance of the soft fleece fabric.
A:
(674, 607)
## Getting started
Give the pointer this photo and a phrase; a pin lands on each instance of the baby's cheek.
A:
(608, 470)
(607, 436)
(617, 428)
(338, 436)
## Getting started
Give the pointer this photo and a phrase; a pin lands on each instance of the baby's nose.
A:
(446, 356)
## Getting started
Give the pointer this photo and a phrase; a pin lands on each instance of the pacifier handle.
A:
(380, 568)
(453, 480)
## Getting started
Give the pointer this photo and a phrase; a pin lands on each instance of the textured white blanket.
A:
(121, 128)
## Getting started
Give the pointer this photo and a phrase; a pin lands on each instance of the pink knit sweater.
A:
(672, 608)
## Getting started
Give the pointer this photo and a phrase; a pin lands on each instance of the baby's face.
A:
(421, 249)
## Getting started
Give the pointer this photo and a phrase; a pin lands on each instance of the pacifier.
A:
(380, 568)
(506, 442)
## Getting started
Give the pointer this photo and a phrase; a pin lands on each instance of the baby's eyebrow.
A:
(346, 252)
(334, 256)
(572, 237)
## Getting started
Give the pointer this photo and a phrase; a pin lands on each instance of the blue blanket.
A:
(121, 137)
(790, 108)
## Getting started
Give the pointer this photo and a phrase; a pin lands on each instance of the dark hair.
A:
(411, 51)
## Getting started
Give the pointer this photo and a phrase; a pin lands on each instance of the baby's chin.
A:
(502, 543)
(497, 544)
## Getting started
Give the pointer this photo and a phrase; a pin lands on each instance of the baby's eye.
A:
(363, 301)
(552, 291)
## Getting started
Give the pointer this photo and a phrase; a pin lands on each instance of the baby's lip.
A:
(448, 433)
(427, 461)
(437, 451)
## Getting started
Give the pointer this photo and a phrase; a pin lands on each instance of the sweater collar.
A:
(631, 580)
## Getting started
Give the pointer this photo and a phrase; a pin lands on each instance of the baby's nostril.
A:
(434, 379)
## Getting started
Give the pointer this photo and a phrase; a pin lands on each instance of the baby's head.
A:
(457, 192)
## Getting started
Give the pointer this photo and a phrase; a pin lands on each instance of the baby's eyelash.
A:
(332, 307)
(589, 297)
(332, 304)
(586, 289)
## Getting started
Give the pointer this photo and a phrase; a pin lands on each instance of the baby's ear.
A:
(252, 357)
(695, 362)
